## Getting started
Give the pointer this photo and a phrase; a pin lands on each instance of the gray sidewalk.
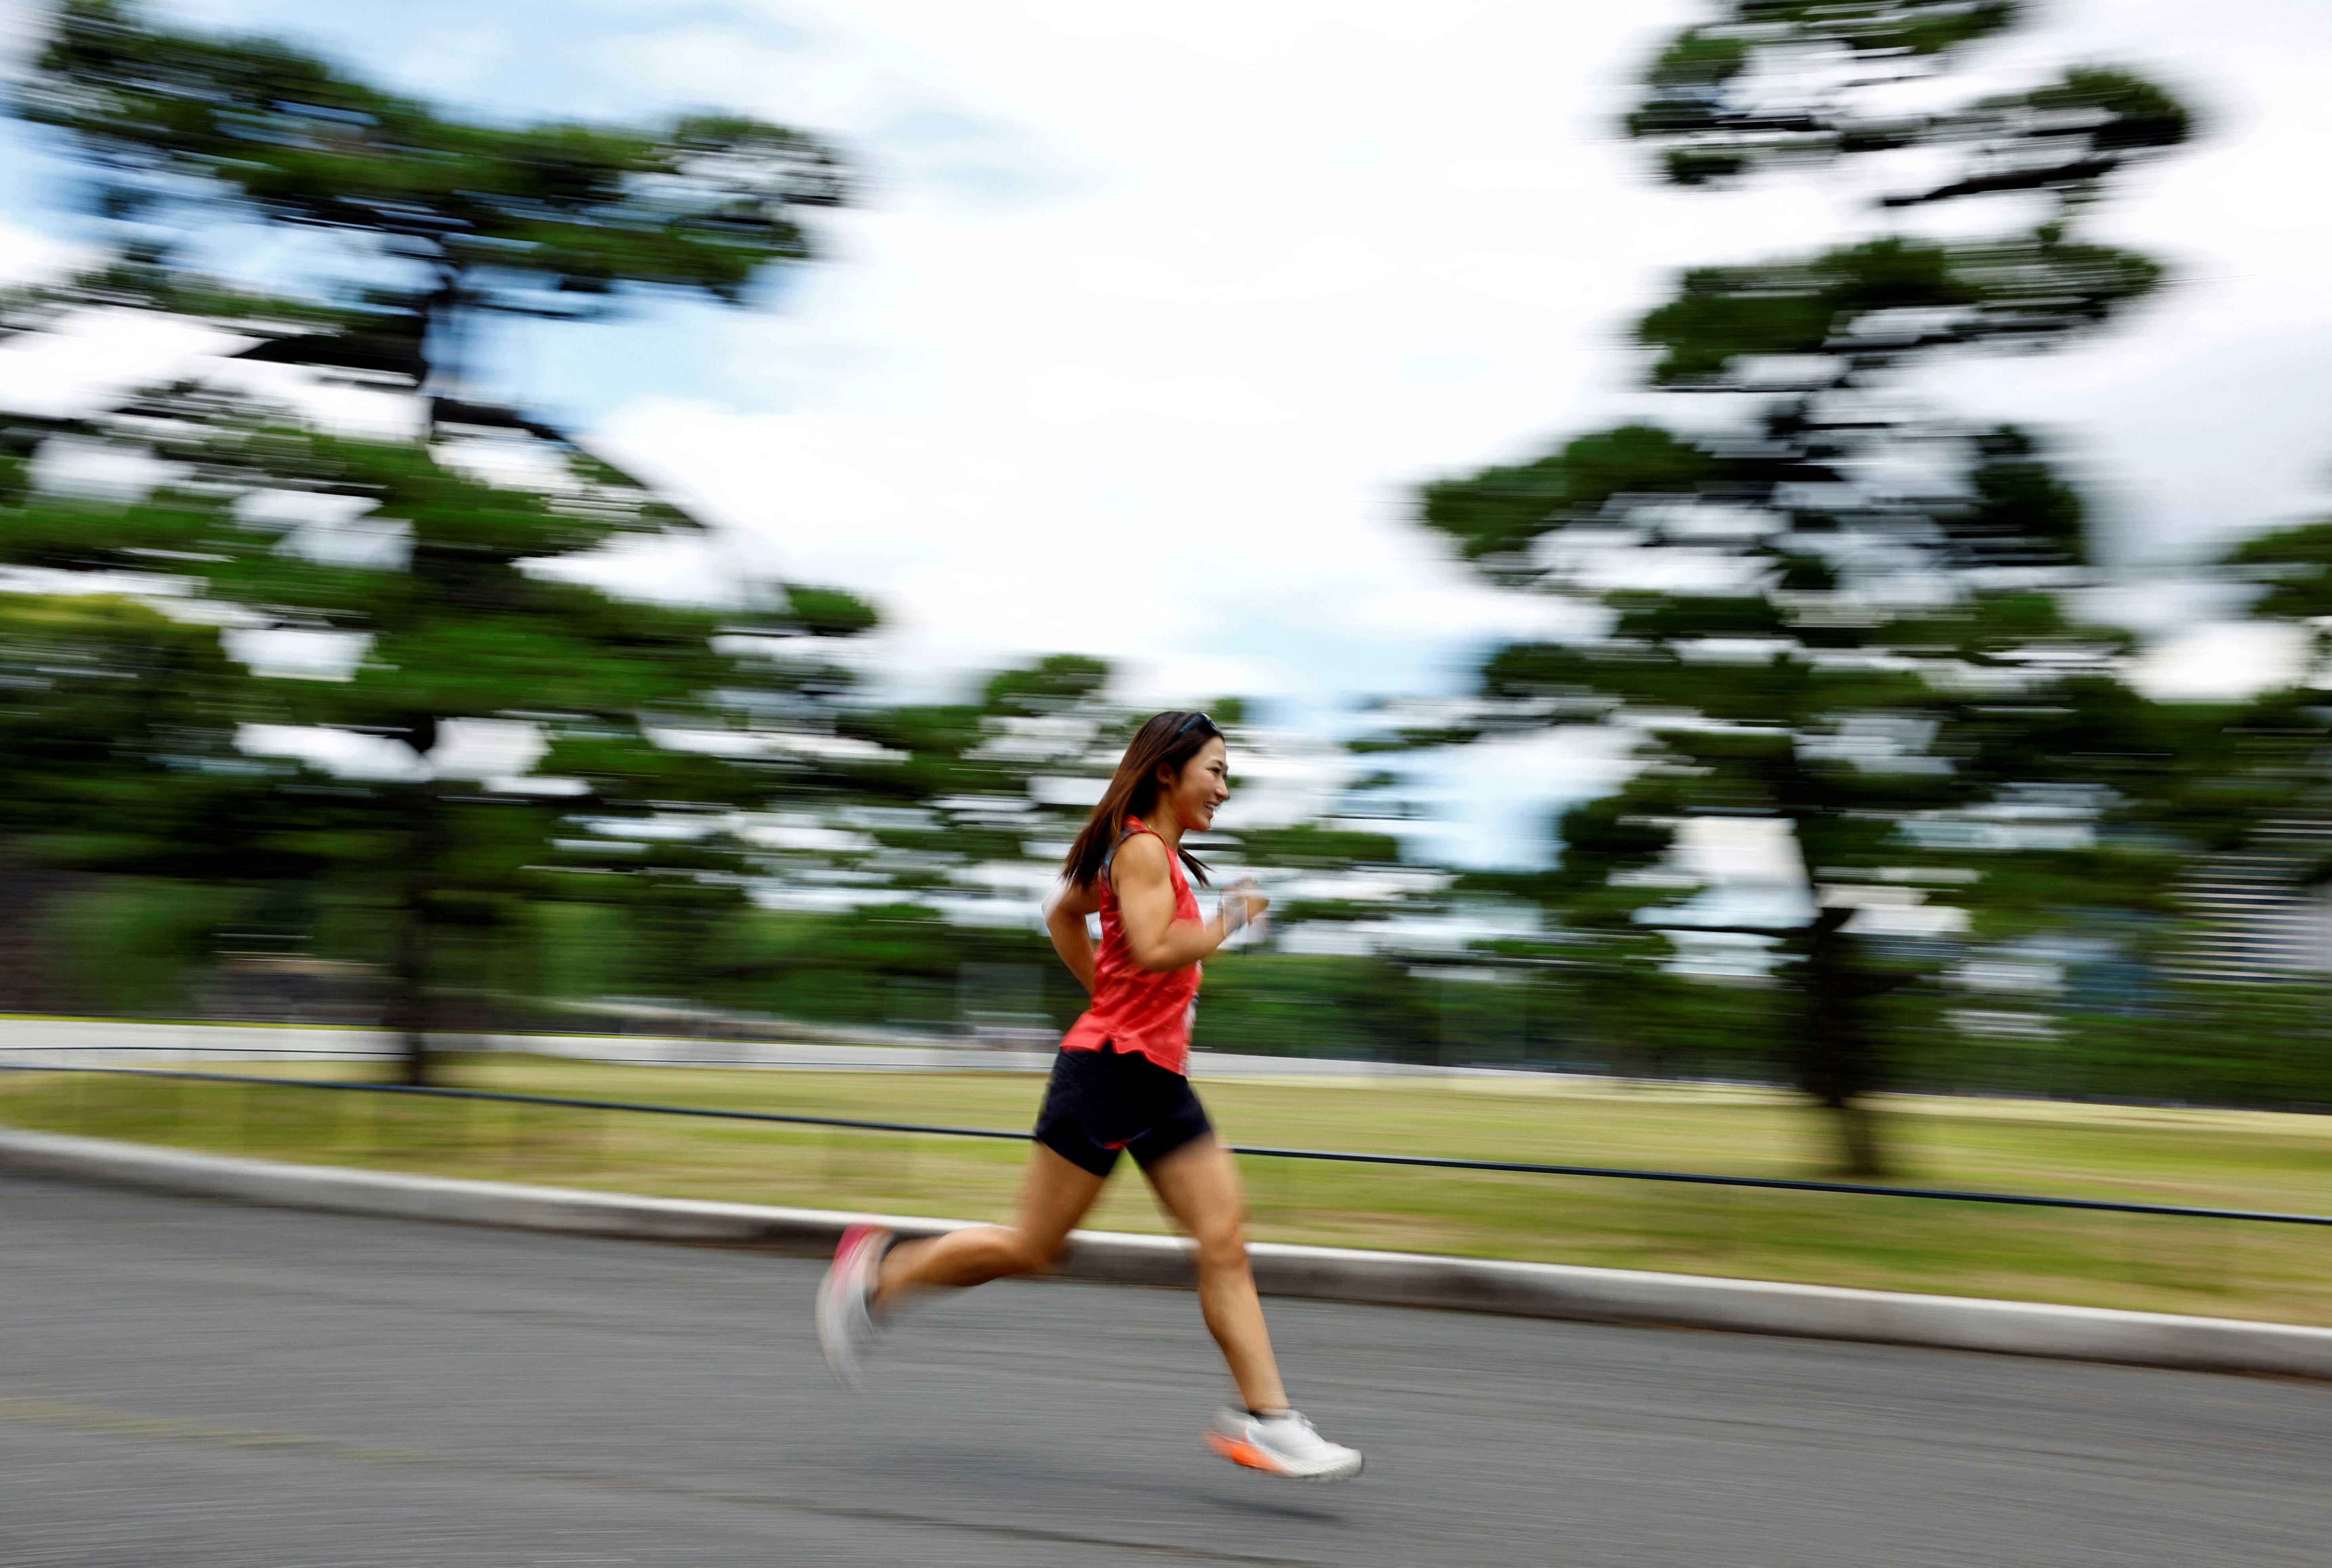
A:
(213, 1385)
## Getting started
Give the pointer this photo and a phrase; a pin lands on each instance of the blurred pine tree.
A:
(432, 537)
(1847, 616)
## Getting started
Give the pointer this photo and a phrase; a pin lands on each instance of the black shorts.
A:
(1100, 1102)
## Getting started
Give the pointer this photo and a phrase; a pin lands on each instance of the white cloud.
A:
(98, 470)
(293, 653)
(1152, 321)
(341, 752)
(486, 749)
(2222, 660)
(28, 255)
(1148, 330)
(497, 752)
(1492, 803)
(1160, 396)
(92, 361)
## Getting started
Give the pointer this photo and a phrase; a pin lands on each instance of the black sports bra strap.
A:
(1125, 831)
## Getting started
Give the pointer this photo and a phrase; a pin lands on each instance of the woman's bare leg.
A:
(1199, 1184)
(1054, 1196)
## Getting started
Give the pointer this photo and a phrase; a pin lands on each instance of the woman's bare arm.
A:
(1064, 921)
(1145, 902)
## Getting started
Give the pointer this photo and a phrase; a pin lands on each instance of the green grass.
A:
(2202, 1158)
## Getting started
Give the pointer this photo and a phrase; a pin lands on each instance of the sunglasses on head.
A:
(1193, 722)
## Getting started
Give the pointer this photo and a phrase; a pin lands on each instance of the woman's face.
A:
(1205, 783)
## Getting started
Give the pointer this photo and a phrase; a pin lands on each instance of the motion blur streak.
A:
(332, 692)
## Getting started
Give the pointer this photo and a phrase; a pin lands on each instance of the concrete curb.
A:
(121, 1042)
(1337, 1274)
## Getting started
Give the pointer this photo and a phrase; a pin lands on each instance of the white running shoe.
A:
(1282, 1445)
(846, 1301)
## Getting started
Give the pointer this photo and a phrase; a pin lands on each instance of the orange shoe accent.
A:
(1242, 1453)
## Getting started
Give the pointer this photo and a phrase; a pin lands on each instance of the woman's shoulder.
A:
(1142, 846)
(1145, 855)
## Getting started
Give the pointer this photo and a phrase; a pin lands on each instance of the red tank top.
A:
(1141, 1010)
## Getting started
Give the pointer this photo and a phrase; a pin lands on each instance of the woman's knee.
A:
(1221, 1246)
(1018, 1252)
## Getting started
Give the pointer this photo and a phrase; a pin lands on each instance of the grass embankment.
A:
(2205, 1158)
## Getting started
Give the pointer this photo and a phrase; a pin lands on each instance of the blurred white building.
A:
(2261, 922)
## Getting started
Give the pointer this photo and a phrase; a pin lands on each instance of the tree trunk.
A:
(410, 1009)
(1837, 1046)
(1861, 1153)
(29, 978)
(408, 978)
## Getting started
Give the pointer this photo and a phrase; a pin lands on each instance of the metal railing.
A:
(1428, 1162)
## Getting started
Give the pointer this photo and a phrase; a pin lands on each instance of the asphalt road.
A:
(196, 1385)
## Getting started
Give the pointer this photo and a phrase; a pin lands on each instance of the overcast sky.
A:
(1149, 323)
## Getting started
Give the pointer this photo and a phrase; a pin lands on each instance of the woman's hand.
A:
(1243, 906)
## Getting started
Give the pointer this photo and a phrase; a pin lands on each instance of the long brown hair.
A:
(1169, 740)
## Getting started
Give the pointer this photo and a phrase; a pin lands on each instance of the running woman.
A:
(1120, 1082)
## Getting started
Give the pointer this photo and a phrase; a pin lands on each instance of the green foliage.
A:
(1309, 847)
(136, 944)
(1877, 28)
(688, 754)
(1231, 711)
(431, 216)
(137, 279)
(1867, 307)
(831, 613)
(117, 725)
(1757, 88)
(129, 719)
(2265, 770)
(124, 755)
(1288, 1004)
(550, 219)
(1687, 81)
(2296, 565)
(1061, 682)
(1499, 511)
(2024, 514)
(1885, 669)
(1696, 58)
(889, 965)
(1617, 833)
(2255, 1045)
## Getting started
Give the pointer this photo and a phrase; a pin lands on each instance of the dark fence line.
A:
(255, 1053)
(1428, 1162)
